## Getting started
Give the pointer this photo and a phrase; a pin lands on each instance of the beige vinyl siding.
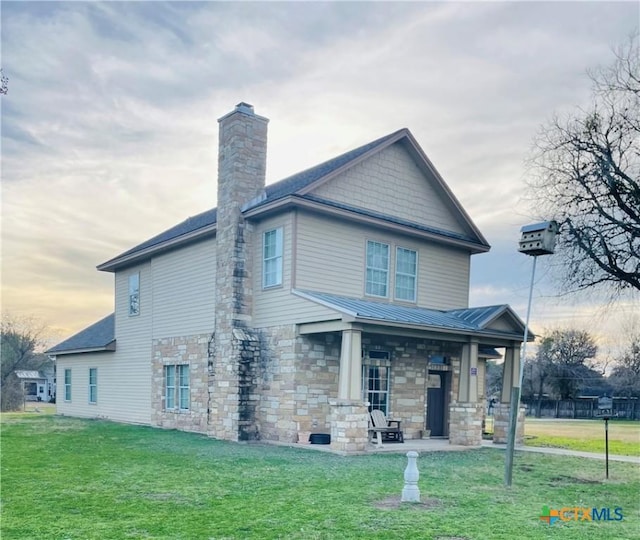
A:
(119, 398)
(184, 290)
(390, 182)
(133, 345)
(503, 325)
(276, 305)
(331, 258)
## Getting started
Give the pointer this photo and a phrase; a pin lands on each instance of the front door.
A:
(435, 403)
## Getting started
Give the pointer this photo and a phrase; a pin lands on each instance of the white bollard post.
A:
(411, 492)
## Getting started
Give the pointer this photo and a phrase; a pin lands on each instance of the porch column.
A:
(350, 376)
(349, 414)
(465, 414)
(468, 390)
(510, 372)
(502, 411)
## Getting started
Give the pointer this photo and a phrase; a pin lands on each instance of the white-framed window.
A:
(272, 247)
(377, 278)
(183, 387)
(177, 388)
(67, 384)
(134, 294)
(169, 387)
(406, 274)
(376, 387)
(93, 385)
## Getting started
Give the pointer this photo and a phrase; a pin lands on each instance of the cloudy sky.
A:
(109, 131)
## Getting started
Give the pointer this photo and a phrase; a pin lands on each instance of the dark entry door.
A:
(435, 403)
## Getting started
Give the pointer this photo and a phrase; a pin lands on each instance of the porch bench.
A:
(383, 429)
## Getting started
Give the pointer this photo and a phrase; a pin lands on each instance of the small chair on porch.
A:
(383, 429)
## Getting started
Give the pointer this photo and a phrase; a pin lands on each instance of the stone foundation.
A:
(349, 422)
(501, 424)
(465, 424)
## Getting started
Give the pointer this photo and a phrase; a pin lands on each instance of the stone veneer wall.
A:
(465, 423)
(501, 413)
(349, 421)
(191, 350)
(297, 377)
(409, 367)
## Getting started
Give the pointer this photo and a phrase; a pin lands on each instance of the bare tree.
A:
(20, 339)
(585, 173)
(4, 83)
(625, 376)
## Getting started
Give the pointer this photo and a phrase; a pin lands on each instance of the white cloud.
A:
(112, 111)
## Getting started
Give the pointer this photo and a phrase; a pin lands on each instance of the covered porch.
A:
(425, 368)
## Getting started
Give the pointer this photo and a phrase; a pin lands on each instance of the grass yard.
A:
(65, 478)
(585, 435)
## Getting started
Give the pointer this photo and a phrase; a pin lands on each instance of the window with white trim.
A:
(134, 294)
(272, 247)
(377, 279)
(376, 380)
(406, 274)
(177, 387)
(183, 387)
(376, 368)
(93, 385)
(67, 384)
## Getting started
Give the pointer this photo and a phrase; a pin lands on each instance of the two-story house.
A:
(295, 307)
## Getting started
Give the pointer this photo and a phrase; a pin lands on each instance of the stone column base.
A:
(501, 414)
(465, 424)
(349, 424)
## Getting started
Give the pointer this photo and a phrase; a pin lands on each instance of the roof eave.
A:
(291, 201)
(128, 260)
(110, 347)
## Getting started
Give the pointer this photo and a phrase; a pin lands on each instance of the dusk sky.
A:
(109, 128)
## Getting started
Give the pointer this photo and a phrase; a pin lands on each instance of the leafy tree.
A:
(586, 175)
(20, 340)
(625, 376)
(560, 366)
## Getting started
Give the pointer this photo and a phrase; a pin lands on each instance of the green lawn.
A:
(585, 435)
(65, 478)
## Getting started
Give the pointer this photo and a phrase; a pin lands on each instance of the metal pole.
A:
(606, 444)
(515, 392)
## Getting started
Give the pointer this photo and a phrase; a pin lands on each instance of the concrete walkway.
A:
(442, 445)
(564, 452)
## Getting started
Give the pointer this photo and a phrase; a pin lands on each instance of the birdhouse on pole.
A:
(539, 238)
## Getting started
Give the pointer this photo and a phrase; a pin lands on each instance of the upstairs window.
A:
(377, 279)
(272, 258)
(93, 385)
(406, 273)
(134, 294)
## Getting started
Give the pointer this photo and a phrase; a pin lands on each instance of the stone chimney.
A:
(242, 157)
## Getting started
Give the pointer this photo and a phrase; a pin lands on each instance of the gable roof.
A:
(99, 336)
(462, 321)
(296, 188)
